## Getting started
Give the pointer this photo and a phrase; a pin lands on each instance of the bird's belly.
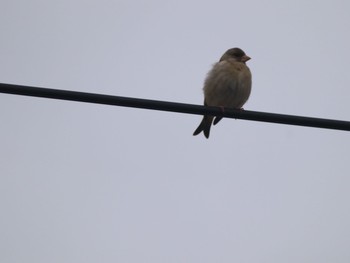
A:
(228, 84)
(237, 96)
(229, 94)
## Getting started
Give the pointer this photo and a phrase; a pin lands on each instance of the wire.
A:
(173, 107)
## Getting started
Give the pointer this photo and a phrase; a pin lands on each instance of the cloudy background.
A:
(93, 183)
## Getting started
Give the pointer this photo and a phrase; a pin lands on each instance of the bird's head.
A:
(235, 54)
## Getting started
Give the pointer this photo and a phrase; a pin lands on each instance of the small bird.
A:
(228, 84)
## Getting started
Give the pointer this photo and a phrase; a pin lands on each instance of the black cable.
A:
(173, 106)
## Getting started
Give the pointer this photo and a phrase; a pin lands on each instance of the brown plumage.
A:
(228, 84)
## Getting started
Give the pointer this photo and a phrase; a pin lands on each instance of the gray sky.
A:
(92, 183)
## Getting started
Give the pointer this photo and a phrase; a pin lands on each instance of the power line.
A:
(173, 107)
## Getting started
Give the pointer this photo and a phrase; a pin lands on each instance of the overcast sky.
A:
(93, 183)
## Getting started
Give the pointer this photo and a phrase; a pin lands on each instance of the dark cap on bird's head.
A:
(236, 54)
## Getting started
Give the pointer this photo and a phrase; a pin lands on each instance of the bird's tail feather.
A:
(204, 126)
(216, 120)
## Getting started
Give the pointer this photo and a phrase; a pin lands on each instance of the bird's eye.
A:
(237, 55)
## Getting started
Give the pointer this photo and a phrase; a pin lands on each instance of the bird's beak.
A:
(245, 58)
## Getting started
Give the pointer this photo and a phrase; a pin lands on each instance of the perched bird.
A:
(228, 84)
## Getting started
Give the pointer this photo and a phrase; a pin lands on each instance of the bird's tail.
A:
(204, 126)
(216, 120)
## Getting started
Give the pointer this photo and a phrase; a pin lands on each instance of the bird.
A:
(228, 84)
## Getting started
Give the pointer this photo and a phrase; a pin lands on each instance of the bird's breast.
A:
(228, 85)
